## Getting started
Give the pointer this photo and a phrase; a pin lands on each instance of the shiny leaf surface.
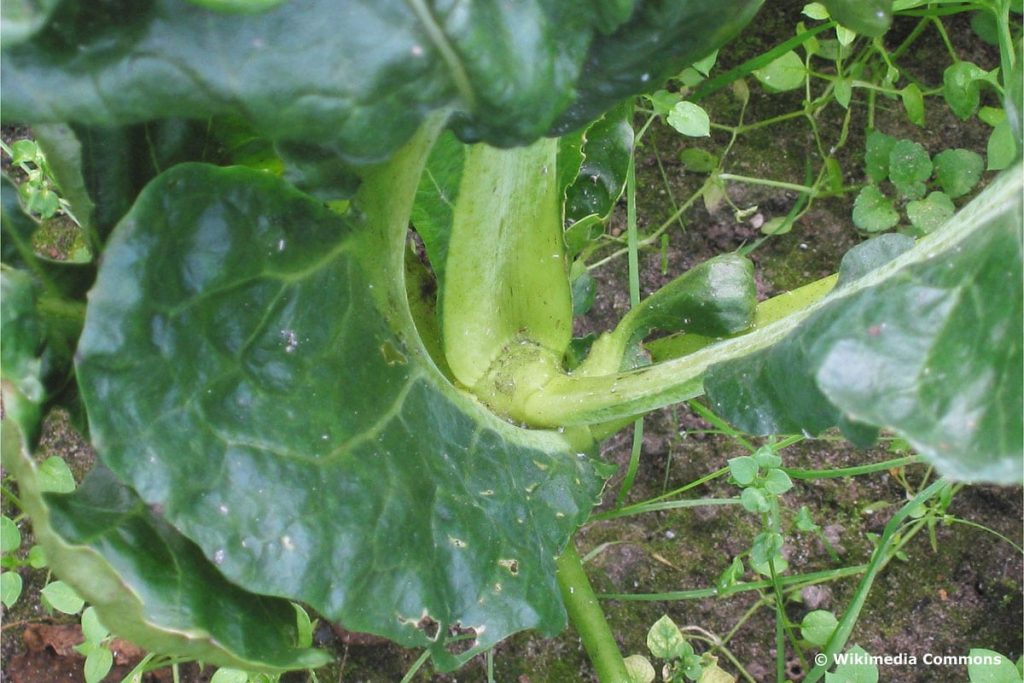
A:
(946, 377)
(359, 77)
(243, 374)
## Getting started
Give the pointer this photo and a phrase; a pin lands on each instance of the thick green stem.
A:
(587, 617)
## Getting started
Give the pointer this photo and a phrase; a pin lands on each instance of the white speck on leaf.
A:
(291, 340)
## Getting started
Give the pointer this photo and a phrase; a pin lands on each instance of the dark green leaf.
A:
(317, 170)
(958, 171)
(436, 195)
(116, 162)
(716, 297)
(510, 74)
(607, 149)
(886, 349)
(23, 334)
(867, 17)
(584, 289)
(275, 436)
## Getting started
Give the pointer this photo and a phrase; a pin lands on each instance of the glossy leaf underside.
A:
(359, 77)
(928, 345)
(241, 374)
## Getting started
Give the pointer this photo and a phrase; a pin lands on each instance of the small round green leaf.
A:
(961, 88)
(765, 547)
(817, 627)
(690, 119)
(785, 73)
(743, 469)
(777, 482)
(662, 101)
(1002, 147)
(931, 212)
(779, 225)
(913, 102)
(63, 598)
(843, 92)
(55, 476)
(766, 458)
(698, 160)
(97, 664)
(816, 10)
(988, 666)
(804, 521)
(225, 675)
(876, 156)
(639, 669)
(36, 557)
(10, 588)
(909, 167)
(872, 210)
(958, 171)
(10, 537)
(92, 629)
(857, 669)
(753, 500)
(664, 639)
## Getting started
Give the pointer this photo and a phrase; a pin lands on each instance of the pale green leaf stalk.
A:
(507, 313)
